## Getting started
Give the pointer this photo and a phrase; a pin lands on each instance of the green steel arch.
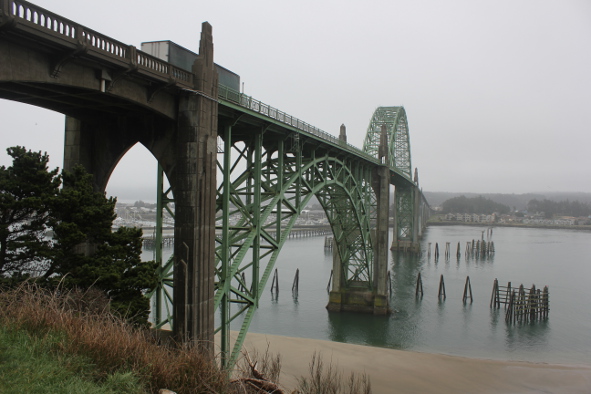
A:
(267, 177)
(399, 161)
(394, 118)
(266, 185)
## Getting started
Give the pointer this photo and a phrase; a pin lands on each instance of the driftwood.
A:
(259, 382)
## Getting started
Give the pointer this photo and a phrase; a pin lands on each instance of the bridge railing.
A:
(37, 21)
(228, 94)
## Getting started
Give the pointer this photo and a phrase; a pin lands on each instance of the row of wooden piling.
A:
(521, 306)
(479, 248)
(441, 294)
(294, 287)
(150, 242)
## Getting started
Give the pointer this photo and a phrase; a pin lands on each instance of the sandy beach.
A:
(398, 371)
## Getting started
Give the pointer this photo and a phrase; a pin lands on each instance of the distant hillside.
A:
(518, 201)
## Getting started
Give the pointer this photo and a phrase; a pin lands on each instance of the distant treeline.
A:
(549, 208)
(559, 208)
(481, 205)
(515, 201)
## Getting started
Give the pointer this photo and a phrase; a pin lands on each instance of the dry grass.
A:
(88, 329)
(113, 345)
(326, 379)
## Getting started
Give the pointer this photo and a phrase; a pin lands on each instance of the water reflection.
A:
(531, 336)
(359, 328)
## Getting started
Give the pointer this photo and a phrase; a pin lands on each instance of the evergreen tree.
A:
(88, 253)
(27, 189)
(84, 251)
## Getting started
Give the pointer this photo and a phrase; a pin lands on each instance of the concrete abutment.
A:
(187, 152)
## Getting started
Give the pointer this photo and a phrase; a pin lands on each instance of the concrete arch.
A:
(100, 145)
(55, 63)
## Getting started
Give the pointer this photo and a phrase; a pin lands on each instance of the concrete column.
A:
(381, 246)
(335, 296)
(382, 190)
(194, 193)
(395, 224)
(416, 221)
(374, 299)
(74, 150)
(417, 225)
(99, 144)
(343, 134)
(337, 269)
(95, 146)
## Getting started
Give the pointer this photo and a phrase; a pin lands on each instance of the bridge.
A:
(240, 171)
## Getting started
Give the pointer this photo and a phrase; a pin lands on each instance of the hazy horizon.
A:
(496, 92)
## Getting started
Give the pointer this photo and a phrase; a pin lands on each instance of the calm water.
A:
(560, 259)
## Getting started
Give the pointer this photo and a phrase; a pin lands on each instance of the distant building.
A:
(471, 217)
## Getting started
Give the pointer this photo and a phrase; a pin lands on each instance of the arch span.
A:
(53, 62)
(395, 120)
(264, 188)
(406, 197)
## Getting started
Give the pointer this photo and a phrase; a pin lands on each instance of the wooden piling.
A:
(507, 293)
(329, 281)
(275, 282)
(296, 281)
(441, 288)
(390, 283)
(419, 287)
(467, 289)
(494, 297)
(509, 312)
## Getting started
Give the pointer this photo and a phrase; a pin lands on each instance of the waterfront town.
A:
(516, 218)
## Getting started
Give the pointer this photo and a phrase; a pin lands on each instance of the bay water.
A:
(559, 259)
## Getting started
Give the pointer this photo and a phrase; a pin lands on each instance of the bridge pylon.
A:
(358, 296)
(407, 226)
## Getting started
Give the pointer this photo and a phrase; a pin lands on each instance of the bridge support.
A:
(362, 296)
(194, 186)
(187, 152)
(406, 219)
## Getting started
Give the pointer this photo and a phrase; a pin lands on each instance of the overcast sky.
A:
(497, 93)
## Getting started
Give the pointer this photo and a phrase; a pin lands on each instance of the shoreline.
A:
(516, 225)
(403, 371)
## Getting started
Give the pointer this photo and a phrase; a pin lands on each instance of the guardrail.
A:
(228, 94)
(40, 22)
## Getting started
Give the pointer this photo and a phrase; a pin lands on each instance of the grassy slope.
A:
(29, 364)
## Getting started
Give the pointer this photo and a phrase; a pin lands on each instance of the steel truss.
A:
(265, 180)
(162, 295)
(395, 120)
(266, 183)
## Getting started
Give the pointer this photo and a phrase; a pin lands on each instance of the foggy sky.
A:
(497, 93)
